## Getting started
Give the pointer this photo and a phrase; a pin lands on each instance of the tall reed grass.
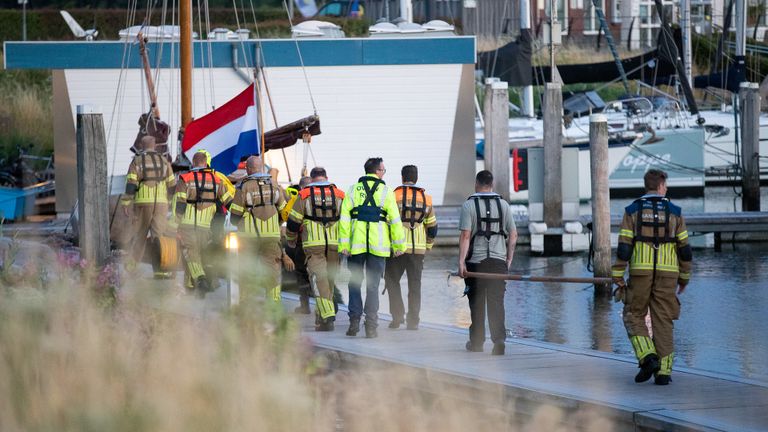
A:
(68, 363)
(26, 113)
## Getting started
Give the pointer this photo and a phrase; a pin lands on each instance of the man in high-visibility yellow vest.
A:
(149, 185)
(256, 213)
(376, 233)
(199, 195)
(315, 217)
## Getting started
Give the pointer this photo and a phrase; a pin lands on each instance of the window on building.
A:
(616, 15)
(561, 6)
(591, 21)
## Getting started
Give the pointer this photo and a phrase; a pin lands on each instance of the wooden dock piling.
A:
(496, 153)
(749, 102)
(93, 202)
(601, 209)
(553, 155)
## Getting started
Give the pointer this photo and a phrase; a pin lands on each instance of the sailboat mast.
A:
(185, 57)
(685, 23)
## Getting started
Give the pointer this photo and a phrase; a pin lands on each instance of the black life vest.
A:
(254, 200)
(368, 210)
(155, 171)
(660, 207)
(205, 191)
(485, 221)
(323, 206)
(413, 211)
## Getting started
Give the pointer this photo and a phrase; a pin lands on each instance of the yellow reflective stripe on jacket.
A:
(255, 227)
(617, 273)
(627, 233)
(237, 209)
(132, 176)
(643, 256)
(202, 219)
(418, 235)
(315, 234)
(682, 235)
(151, 194)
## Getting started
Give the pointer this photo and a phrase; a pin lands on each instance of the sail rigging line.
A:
(242, 43)
(496, 51)
(274, 115)
(301, 58)
(211, 81)
(202, 54)
(120, 91)
(260, 61)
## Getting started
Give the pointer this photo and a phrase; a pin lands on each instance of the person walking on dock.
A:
(420, 226)
(486, 245)
(256, 213)
(199, 195)
(653, 239)
(315, 217)
(149, 186)
(370, 230)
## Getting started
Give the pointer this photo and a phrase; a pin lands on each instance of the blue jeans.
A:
(374, 269)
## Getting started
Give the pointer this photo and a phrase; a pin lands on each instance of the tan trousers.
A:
(661, 298)
(322, 271)
(193, 242)
(260, 268)
(150, 218)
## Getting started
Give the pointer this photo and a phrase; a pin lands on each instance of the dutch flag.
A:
(229, 132)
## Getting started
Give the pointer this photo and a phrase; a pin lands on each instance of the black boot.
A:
(303, 307)
(202, 286)
(662, 379)
(371, 332)
(325, 325)
(649, 366)
(354, 326)
(498, 349)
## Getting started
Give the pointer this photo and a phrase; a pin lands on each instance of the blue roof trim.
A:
(277, 53)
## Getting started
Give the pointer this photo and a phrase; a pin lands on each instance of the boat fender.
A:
(574, 227)
(537, 228)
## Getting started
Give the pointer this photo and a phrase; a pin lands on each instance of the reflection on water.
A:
(722, 327)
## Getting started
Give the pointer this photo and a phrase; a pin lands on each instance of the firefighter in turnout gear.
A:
(296, 252)
(256, 213)
(370, 231)
(199, 195)
(653, 240)
(150, 183)
(315, 217)
(486, 245)
(420, 225)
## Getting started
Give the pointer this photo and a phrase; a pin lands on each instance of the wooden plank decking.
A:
(572, 378)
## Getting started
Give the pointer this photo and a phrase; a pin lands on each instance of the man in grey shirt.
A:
(486, 245)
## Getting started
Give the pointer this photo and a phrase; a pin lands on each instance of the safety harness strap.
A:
(319, 211)
(488, 220)
(368, 210)
(413, 211)
(202, 189)
(155, 172)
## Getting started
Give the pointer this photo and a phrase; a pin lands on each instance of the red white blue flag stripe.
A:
(229, 132)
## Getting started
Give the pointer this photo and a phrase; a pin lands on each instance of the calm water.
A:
(724, 319)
